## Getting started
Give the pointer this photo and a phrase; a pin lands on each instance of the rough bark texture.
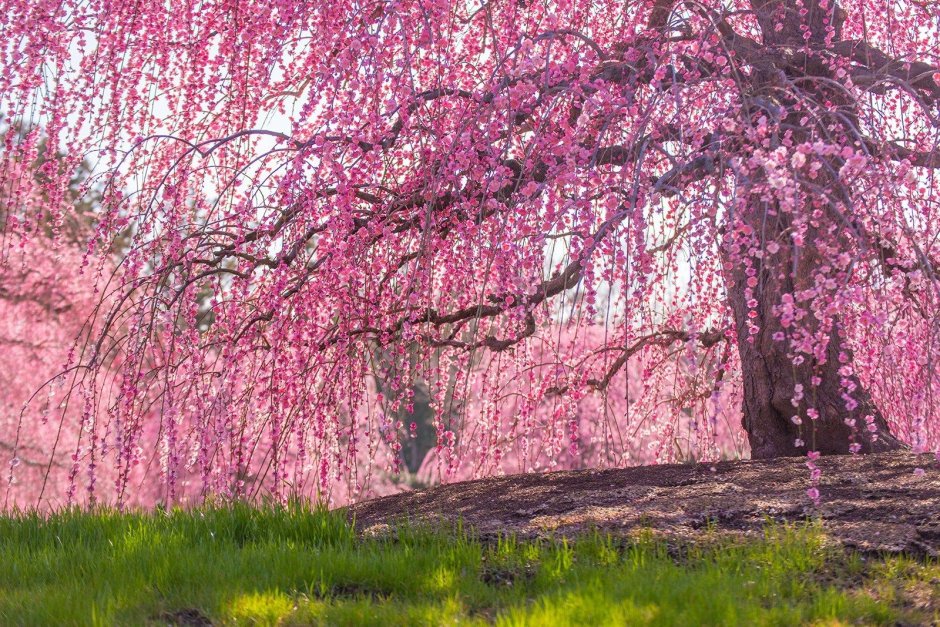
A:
(770, 377)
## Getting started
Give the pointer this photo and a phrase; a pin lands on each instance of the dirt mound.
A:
(880, 502)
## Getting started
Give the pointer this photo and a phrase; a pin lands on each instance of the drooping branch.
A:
(664, 338)
(668, 184)
(873, 66)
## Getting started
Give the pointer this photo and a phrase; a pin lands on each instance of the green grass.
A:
(244, 565)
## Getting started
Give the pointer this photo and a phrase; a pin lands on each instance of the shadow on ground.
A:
(871, 503)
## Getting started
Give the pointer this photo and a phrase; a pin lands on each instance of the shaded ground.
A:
(871, 503)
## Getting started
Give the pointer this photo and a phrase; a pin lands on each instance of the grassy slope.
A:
(242, 565)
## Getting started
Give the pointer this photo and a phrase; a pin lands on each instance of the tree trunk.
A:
(836, 414)
(770, 377)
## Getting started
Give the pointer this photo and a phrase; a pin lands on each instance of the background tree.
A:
(42, 311)
(745, 185)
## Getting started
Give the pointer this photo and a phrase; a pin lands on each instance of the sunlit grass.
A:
(267, 565)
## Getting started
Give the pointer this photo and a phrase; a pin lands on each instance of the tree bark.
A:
(770, 378)
(836, 414)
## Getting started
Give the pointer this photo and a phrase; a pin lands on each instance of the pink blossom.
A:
(327, 249)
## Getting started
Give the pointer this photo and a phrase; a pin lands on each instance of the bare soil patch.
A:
(873, 503)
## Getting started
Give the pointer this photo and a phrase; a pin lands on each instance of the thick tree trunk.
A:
(770, 381)
(836, 414)
(771, 378)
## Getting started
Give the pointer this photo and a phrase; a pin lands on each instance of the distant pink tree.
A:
(650, 412)
(326, 205)
(63, 442)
